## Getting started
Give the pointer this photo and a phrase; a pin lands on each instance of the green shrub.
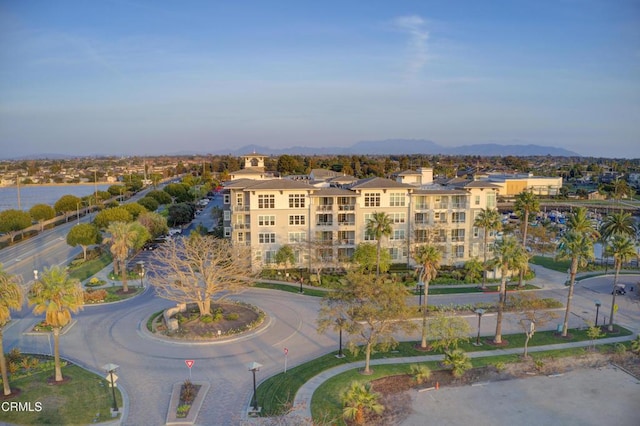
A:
(458, 361)
(206, 319)
(421, 373)
(183, 410)
(231, 317)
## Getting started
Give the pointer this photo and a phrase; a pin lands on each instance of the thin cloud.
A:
(414, 25)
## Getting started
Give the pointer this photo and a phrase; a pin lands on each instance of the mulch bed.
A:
(197, 329)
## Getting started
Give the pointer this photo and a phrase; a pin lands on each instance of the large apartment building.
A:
(324, 221)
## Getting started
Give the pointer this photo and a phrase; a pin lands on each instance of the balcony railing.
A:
(458, 205)
(347, 241)
(422, 206)
(324, 224)
(457, 239)
(324, 208)
(240, 208)
(346, 207)
(241, 225)
(347, 223)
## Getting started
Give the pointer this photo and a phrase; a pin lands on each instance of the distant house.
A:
(596, 195)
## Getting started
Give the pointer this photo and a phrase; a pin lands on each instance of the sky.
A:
(138, 77)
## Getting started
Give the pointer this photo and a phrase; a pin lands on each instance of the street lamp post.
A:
(598, 304)
(253, 367)
(340, 322)
(110, 368)
(479, 312)
(141, 272)
(420, 289)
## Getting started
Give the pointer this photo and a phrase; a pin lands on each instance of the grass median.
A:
(276, 394)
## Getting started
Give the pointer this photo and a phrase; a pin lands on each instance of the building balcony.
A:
(324, 208)
(347, 242)
(422, 206)
(241, 225)
(346, 207)
(324, 224)
(240, 208)
(347, 223)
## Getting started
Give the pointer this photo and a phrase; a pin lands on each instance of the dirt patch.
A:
(225, 319)
(395, 391)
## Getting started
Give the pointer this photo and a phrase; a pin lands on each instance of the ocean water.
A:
(42, 194)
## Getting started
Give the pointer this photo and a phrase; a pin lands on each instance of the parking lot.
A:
(599, 396)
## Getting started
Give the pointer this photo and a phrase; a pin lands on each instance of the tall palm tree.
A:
(11, 298)
(489, 220)
(580, 222)
(618, 223)
(57, 296)
(378, 226)
(578, 247)
(509, 255)
(122, 237)
(429, 257)
(622, 250)
(526, 203)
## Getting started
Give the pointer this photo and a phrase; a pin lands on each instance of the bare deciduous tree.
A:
(199, 268)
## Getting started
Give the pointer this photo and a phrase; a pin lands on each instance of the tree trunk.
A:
(367, 359)
(378, 259)
(484, 265)
(572, 281)
(501, 302)
(3, 369)
(123, 274)
(423, 343)
(56, 353)
(526, 346)
(613, 298)
(84, 251)
(524, 244)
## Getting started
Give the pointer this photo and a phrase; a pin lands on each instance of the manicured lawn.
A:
(551, 263)
(292, 289)
(90, 267)
(277, 392)
(85, 399)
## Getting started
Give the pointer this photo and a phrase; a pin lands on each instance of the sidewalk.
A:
(306, 391)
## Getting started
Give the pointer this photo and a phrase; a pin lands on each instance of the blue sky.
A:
(153, 77)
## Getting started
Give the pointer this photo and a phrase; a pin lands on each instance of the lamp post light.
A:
(479, 312)
(141, 272)
(420, 290)
(110, 368)
(598, 304)
(253, 367)
(35, 275)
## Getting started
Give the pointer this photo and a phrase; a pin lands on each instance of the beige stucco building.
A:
(324, 221)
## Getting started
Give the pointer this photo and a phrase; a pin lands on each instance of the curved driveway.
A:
(149, 366)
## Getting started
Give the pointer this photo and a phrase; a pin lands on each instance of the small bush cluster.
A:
(183, 410)
(95, 282)
(95, 296)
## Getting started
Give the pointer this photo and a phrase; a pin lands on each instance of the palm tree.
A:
(488, 220)
(122, 238)
(11, 298)
(429, 257)
(622, 249)
(618, 223)
(358, 400)
(509, 255)
(378, 226)
(580, 222)
(57, 296)
(578, 247)
(526, 203)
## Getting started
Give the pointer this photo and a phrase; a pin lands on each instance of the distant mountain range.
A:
(383, 147)
(410, 146)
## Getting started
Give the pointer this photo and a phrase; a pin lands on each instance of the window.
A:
(397, 253)
(476, 200)
(297, 237)
(458, 202)
(267, 238)
(369, 236)
(475, 249)
(266, 220)
(458, 217)
(422, 218)
(296, 201)
(266, 201)
(227, 199)
(398, 234)
(324, 219)
(459, 252)
(491, 200)
(476, 232)
(457, 235)
(396, 199)
(297, 219)
(270, 256)
(227, 231)
(397, 217)
(239, 199)
(240, 237)
(440, 217)
(227, 215)
(371, 199)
